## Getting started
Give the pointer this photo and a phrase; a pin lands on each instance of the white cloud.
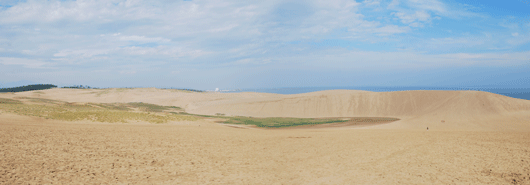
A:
(371, 60)
(390, 30)
(449, 42)
(372, 2)
(393, 4)
(143, 39)
(82, 10)
(517, 40)
(414, 19)
(109, 34)
(161, 50)
(253, 61)
(225, 28)
(429, 5)
(375, 28)
(152, 21)
(27, 63)
(83, 30)
(491, 59)
(84, 53)
(127, 72)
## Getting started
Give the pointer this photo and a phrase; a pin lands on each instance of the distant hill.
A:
(28, 88)
(460, 110)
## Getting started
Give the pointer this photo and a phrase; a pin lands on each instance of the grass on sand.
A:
(282, 122)
(138, 111)
(102, 112)
(9, 101)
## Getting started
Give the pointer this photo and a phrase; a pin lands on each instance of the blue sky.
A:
(234, 44)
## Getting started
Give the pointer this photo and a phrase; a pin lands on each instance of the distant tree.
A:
(28, 88)
(77, 87)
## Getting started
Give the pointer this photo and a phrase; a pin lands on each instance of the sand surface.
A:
(484, 139)
(439, 110)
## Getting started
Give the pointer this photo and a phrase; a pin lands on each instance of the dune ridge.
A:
(364, 103)
(461, 110)
(417, 109)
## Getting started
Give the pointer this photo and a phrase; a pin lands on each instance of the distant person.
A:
(427, 128)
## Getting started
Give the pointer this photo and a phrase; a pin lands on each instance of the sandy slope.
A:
(45, 151)
(485, 139)
(459, 110)
(37, 151)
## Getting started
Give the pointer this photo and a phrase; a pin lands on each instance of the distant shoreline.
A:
(514, 92)
(521, 93)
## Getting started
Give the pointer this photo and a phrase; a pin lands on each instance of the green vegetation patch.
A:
(41, 100)
(152, 107)
(138, 111)
(373, 120)
(9, 101)
(281, 122)
(112, 113)
(145, 107)
(112, 106)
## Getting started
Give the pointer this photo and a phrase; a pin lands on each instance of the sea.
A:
(521, 93)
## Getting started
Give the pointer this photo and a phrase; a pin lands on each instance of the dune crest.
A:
(461, 110)
(418, 109)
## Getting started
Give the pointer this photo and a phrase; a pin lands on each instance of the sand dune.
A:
(363, 103)
(483, 140)
(37, 151)
(444, 110)
(417, 109)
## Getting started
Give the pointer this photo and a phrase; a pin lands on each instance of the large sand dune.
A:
(484, 139)
(443, 110)
(417, 109)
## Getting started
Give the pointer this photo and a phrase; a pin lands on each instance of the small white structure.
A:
(216, 89)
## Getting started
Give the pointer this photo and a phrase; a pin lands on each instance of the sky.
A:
(265, 44)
